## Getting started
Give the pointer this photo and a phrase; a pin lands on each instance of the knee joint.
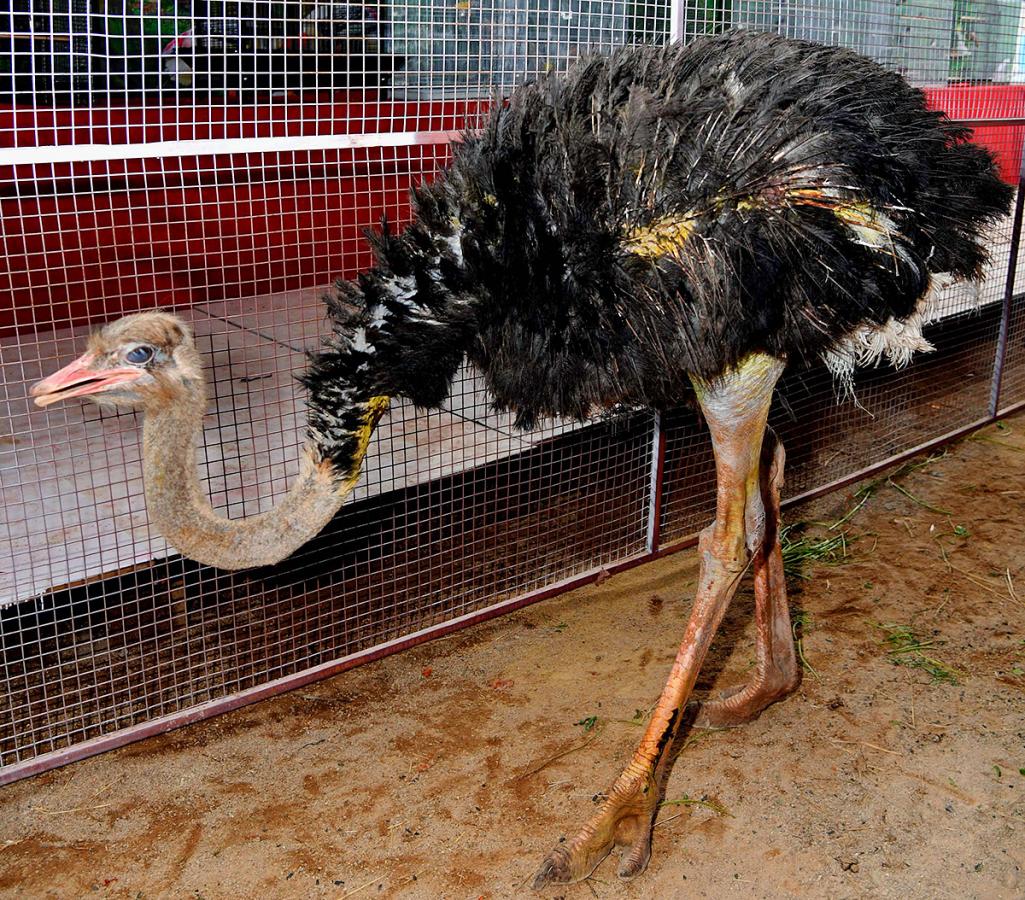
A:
(727, 545)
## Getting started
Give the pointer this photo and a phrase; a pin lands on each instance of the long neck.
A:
(180, 509)
(402, 330)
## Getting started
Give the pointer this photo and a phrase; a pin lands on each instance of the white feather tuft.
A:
(897, 340)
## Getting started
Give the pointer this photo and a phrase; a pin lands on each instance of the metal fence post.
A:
(677, 18)
(658, 452)
(1005, 315)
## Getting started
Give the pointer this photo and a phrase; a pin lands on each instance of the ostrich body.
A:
(656, 225)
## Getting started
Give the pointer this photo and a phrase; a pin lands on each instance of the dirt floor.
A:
(897, 770)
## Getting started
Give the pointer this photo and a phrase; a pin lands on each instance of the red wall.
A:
(988, 101)
(72, 257)
(87, 241)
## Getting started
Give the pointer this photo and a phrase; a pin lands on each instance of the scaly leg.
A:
(736, 407)
(777, 672)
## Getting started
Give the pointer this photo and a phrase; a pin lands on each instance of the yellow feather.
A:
(663, 237)
(376, 407)
(668, 235)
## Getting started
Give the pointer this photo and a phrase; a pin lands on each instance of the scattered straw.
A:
(799, 552)
(362, 887)
(801, 624)
(708, 803)
(902, 490)
(558, 756)
(905, 649)
(989, 440)
(865, 493)
(985, 585)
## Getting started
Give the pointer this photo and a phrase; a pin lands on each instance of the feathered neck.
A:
(400, 330)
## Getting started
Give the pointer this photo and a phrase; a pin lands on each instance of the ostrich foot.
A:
(624, 820)
(744, 703)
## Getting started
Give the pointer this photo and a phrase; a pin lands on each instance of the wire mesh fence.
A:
(221, 159)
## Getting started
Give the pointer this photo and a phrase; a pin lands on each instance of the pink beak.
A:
(80, 378)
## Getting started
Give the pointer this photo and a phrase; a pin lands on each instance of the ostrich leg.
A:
(776, 672)
(736, 407)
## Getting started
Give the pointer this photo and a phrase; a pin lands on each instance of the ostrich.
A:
(658, 224)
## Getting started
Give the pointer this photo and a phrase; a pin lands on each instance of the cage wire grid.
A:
(221, 159)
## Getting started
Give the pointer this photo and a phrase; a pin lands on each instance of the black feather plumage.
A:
(657, 212)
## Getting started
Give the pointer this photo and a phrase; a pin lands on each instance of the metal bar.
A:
(1005, 314)
(1009, 410)
(658, 452)
(982, 120)
(677, 19)
(72, 153)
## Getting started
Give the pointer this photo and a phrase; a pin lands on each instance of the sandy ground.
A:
(448, 771)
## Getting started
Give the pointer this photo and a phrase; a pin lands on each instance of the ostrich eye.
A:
(139, 356)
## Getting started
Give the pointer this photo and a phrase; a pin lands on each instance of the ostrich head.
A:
(149, 362)
(145, 361)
